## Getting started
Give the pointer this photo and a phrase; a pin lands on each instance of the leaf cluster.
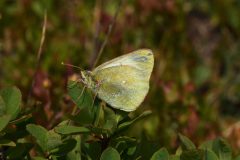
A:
(91, 132)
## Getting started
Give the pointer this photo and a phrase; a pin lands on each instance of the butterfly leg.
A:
(81, 93)
(75, 83)
(95, 95)
(74, 111)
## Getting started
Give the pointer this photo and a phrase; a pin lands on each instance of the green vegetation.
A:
(100, 133)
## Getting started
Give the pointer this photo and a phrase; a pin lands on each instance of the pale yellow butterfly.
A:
(122, 82)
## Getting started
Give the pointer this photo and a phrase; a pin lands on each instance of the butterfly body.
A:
(124, 81)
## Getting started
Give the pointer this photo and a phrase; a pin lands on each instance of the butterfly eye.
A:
(88, 73)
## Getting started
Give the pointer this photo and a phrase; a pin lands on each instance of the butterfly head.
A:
(87, 79)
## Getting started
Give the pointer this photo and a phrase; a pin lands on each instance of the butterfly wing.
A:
(124, 81)
(141, 59)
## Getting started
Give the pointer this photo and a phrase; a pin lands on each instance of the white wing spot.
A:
(123, 82)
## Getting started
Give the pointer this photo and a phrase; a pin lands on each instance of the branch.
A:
(39, 54)
(110, 27)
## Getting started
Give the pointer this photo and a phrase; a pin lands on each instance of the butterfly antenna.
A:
(70, 65)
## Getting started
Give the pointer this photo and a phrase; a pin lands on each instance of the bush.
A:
(91, 132)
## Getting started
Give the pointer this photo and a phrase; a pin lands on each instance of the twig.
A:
(110, 27)
(42, 38)
(39, 54)
(97, 14)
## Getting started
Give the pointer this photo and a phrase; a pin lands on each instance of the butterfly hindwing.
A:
(125, 90)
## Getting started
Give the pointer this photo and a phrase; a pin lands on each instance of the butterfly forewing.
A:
(141, 59)
(124, 81)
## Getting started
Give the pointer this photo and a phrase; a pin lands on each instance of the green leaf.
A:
(110, 121)
(174, 157)
(19, 151)
(80, 95)
(97, 111)
(39, 158)
(192, 155)
(187, 143)
(222, 149)
(116, 141)
(237, 158)
(53, 140)
(179, 151)
(2, 106)
(47, 140)
(124, 144)
(131, 151)
(66, 129)
(40, 134)
(161, 154)
(76, 152)
(12, 98)
(4, 121)
(146, 148)
(210, 155)
(120, 115)
(91, 150)
(84, 117)
(21, 119)
(110, 154)
(64, 148)
(125, 125)
(206, 145)
(6, 142)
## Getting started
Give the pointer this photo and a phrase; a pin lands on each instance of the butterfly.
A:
(122, 82)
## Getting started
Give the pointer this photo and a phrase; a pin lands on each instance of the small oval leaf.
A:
(125, 125)
(40, 134)
(2, 106)
(222, 149)
(193, 154)
(6, 142)
(12, 98)
(80, 95)
(110, 154)
(161, 154)
(187, 143)
(64, 129)
(4, 121)
(209, 154)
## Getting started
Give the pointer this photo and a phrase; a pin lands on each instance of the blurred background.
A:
(195, 85)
